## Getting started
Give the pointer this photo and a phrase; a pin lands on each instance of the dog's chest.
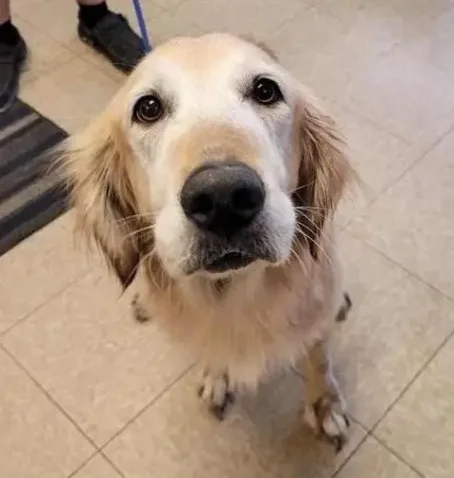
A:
(251, 333)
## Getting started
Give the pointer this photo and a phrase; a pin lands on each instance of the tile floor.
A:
(88, 393)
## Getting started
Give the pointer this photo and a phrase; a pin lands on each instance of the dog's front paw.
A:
(215, 391)
(328, 418)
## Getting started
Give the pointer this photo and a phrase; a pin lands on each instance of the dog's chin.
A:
(228, 264)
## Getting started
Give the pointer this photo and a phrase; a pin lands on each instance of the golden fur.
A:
(252, 323)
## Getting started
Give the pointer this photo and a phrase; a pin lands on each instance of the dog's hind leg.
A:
(344, 309)
(325, 409)
(216, 390)
(139, 311)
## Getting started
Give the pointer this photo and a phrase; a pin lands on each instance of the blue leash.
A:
(142, 25)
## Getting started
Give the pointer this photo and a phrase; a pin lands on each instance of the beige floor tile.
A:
(258, 17)
(372, 460)
(305, 46)
(85, 348)
(396, 324)
(163, 27)
(64, 30)
(328, 51)
(42, 15)
(96, 59)
(97, 467)
(261, 437)
(36, 439)
(172, 24)
(378, 157)
(19, 7)
(168, 4)
(414, 9)
(405, 96)
(398, 17)
(71, 95)
(44, 53)
(273, 418)
(433, 42)
(420, 427)
(412, 222)
(342, 9)
(152, 9)
(38, 268)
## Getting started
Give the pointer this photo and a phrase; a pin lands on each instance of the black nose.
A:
(223, 197)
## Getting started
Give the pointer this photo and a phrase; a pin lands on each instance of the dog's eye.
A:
(148, 109)
(266, 91)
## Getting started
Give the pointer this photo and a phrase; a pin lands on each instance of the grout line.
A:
(396, 455)
(87, 461)
(112, 464)
(75, 55)
(145, 408)
(412, 274)
(410, 383)
(44, 33)
(83, 464)
(97, 448)
(172, 9)
(437, 349)
(73, 421)
(353, 111)
(49, 396)
(52, 297)
(272, 33)
(350, 456)
(418, 160)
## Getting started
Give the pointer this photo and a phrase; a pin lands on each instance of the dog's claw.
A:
(220, 410)
(215, 391)
(328, 419)
(338, 444)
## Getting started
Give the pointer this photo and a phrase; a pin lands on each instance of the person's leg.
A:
(109, 33)
(12, 54)
(92, 11)
(5, 12)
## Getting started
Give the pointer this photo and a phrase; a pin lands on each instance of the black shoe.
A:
(11, 59)
(115, 39)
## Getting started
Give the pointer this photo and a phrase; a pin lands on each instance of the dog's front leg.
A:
(325, 409)
(216, 390)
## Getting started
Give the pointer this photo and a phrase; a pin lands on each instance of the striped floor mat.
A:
(30, 197)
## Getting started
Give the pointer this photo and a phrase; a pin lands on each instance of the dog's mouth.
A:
(229, 261)
(214, 256)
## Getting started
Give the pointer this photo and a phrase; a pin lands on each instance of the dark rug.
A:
(30, 195)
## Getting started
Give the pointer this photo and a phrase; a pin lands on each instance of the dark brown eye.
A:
(266, 91)
(148, 109)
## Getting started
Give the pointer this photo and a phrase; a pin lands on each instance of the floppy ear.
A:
(95, 167)
(324, 171)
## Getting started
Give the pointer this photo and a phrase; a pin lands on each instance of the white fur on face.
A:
(213, 94)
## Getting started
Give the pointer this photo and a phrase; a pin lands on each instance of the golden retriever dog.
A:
(211, 180)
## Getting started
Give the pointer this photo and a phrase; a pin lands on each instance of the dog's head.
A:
(210, 159)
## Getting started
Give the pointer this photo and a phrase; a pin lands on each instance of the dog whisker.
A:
(136, 232)
(135, 216)
(315, 242)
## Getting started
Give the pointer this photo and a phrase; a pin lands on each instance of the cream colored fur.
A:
(125, 181)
